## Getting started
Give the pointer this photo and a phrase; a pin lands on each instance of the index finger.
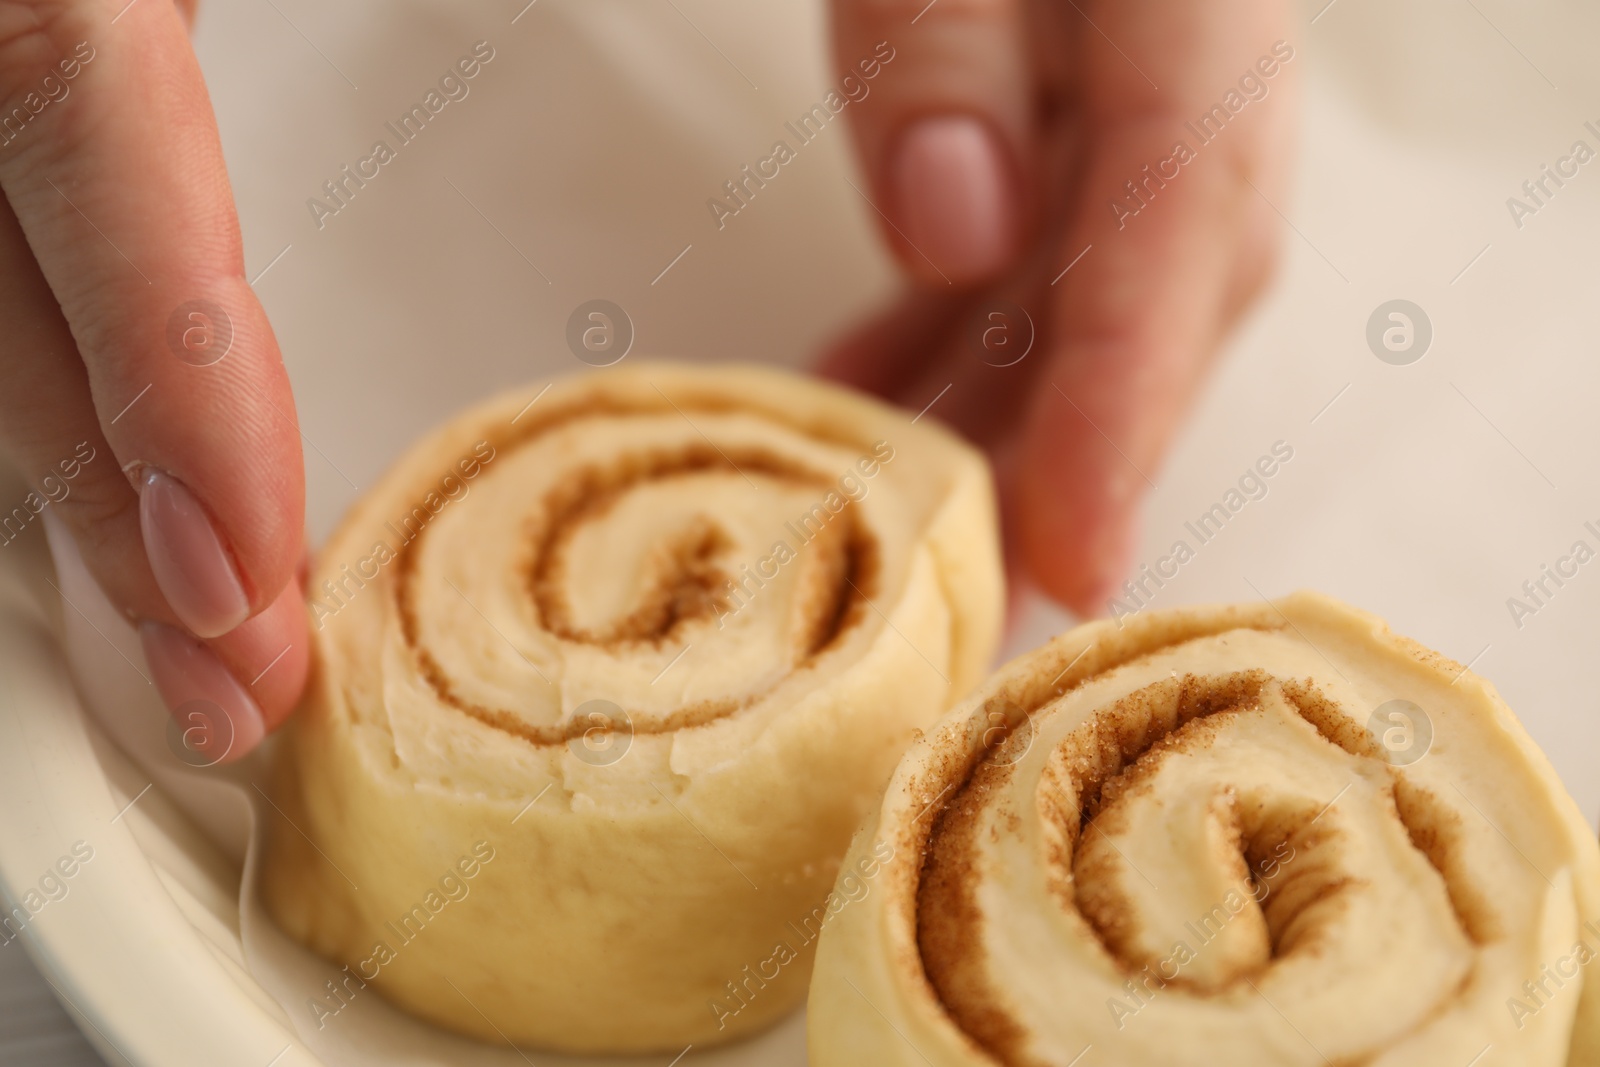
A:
(112, 163)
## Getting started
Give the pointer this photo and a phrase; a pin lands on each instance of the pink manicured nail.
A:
(952, 195)
(220, 719)
(191, 564)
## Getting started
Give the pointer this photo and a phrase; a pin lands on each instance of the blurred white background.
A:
(579, 166)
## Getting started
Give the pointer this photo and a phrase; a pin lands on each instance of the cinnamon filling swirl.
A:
(688, 579)
(1265, 834)
(1273, 866)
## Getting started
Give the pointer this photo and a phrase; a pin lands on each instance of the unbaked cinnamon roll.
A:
(639, 652)
(1265, 835)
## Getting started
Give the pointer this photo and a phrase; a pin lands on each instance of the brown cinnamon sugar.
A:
(682, 583)
(1087, 778)
(686, 581)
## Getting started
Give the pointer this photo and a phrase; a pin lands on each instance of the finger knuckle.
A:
(100, 508)
(43, 47)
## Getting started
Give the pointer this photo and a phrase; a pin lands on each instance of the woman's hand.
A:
(996, 144)
(141, 390)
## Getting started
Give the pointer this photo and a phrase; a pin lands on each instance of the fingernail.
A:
(190, 561)
(221, 720)
(952, 193)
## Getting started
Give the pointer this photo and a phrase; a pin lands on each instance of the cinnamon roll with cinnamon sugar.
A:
(656, 639)
(1273, 834)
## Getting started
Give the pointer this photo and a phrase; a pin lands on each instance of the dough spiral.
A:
(1264, 835)
(653, 641)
